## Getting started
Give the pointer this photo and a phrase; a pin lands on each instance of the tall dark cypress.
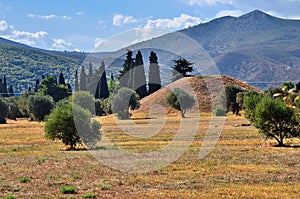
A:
(1, 88)
(83, 78)
(139, 78)
(103, 87)
(154, 74)
(11, 91)
(125, 77)
(61, 79)
(69, 88)
(37, 85)
(5, 92)
(90, 73)
(76, 81)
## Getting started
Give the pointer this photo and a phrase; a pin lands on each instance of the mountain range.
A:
(256, 48)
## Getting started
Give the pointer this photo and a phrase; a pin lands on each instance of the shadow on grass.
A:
(287, 146)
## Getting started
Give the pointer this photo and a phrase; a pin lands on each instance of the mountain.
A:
(256, 48)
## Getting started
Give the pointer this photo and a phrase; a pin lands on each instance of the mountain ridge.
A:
(255, 47)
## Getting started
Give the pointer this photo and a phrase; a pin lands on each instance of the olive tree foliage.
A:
(272, 117)
(228, 99)
(4, 110)
(85, 100)
(14, 111)
(60, 125)
(39, 106)
(180, 100)
(123, 100)
(250, 102)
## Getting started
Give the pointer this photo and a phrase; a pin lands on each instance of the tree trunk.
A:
(183, 113)
(279, 140)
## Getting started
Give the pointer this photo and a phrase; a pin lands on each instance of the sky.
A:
(86, 25)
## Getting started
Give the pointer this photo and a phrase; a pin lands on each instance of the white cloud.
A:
(61, 44)
(28, 38)
(3, 25)
(35, 35)
(98, 43)
(47, 17)
(184, 21)
(119, 20)
(209, 2)
(79, 13)
(234, 13)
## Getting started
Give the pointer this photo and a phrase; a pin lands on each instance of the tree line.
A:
(54, 101)
(275, 112)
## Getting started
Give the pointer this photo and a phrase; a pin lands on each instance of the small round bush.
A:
(219, 111)
(4, 110)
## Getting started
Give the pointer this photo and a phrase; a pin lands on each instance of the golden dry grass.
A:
(241, 165)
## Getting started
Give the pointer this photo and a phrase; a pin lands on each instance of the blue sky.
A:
(86, 24)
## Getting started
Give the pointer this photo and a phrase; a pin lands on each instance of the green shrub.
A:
(105, 187)
(4, 110)
(68, 190)
(39, 106)
(23, 105)
(10, 197)
(24, 179)
(288, 85)
(275, 120)
(180, 100)
(85, 100)
(41, 160)
(99, 107)
(250, 102)
(124, 99)
(228, 97)
(14, 111)
(89, 195)
(60, 124)
(219, 111)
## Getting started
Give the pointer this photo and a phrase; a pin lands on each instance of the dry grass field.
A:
(241, 165)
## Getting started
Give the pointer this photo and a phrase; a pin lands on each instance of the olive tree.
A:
(180, 100)
(274, 119)
(85, 100)
(39, 106)
(4, 110)
(123, 100)
(61, 125)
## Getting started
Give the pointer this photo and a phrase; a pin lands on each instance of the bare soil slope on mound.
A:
(205, 89)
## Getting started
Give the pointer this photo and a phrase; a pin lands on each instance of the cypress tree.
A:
(61, 79)
(128, 65)
(90, 73)
(37, 84)
(111, 84)
(5, 92)
(154, 74)
(91, 80)
(1, 88)
(76, 81)
(102, 87)
(83, 79)
(139, 76)
(69, 88)
(11, 91)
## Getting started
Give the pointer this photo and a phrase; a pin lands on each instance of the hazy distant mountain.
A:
(255, 47)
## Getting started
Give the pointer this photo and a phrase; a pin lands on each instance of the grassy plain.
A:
(241, 165)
